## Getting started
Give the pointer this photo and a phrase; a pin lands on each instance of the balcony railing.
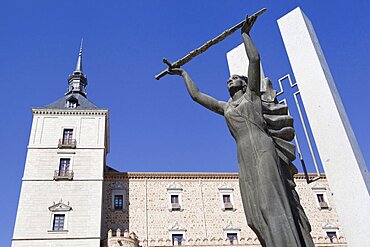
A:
(175, 206)
(63, 175)
(324, 205)
(228, 206)
(67, 143)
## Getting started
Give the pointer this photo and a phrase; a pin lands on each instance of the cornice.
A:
(185, 175)
(46, 111)
(169, 175)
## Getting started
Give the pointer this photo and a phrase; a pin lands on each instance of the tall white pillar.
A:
(340, 154)
(238, 61)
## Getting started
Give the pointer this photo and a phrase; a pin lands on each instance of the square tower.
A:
(61, 196)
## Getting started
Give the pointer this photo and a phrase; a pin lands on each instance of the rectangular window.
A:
(177, 237)
(67, 136)
(320, 197)
(227, 202)
(175, 203)
(233, 237)
(64, 167)
(71, 104)
(174, 199)
(226, 198)
(118, 202)
(58, 222)
(331, 236)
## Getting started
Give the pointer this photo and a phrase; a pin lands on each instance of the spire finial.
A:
(79, 60)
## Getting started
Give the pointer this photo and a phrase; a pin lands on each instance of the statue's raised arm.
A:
(254, 75)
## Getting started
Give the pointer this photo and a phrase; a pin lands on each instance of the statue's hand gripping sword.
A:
(204, 47)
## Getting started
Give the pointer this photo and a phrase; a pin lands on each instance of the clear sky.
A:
(154, 125)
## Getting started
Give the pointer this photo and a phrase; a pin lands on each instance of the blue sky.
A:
(154, 125)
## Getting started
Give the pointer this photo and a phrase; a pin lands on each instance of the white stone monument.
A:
(238, 65)
(342, 160)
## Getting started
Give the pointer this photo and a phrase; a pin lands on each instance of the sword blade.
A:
(206, 46)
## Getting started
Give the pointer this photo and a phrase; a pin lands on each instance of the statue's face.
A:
(235, 81)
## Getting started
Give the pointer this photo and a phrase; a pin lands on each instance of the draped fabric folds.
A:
(279, 124)
(280, 127)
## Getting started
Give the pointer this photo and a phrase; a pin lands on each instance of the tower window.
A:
(64, 171)
(71, 104)
(118, 202)
(58, 222)
(64, 167)
(178, 238)
(67, 136)
(66, 141)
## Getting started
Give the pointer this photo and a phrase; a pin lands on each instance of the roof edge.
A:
(187, 175)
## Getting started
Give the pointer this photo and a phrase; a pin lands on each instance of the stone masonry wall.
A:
(201, 219)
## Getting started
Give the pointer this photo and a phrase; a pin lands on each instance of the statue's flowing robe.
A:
(265, 155)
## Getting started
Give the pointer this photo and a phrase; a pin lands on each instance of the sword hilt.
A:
(165, 72)
(167, 62)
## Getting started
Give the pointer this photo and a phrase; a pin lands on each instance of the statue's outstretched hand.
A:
(176, 71)
(248, 24)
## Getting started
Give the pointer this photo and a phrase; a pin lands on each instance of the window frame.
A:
(70, 137)
(118, 202)
(318, 191)
(60, 164)
(226, 190)
(59, 209)
(330, 227)
(177, 229)
(56, 172)
(230, 228)
(122, 193)
(226, 196)
(174, 189)
(75, 133)
(58, 216)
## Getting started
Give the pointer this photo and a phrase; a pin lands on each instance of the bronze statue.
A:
(262, 130)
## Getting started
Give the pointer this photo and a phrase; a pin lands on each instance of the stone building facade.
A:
(208, 211)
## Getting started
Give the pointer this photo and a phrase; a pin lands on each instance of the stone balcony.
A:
(63, 175)
(67, 143)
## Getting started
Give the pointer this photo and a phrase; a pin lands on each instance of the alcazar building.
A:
(70, 197)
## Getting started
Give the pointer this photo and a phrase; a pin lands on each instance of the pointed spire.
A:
(79, 59)
(77, 81)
